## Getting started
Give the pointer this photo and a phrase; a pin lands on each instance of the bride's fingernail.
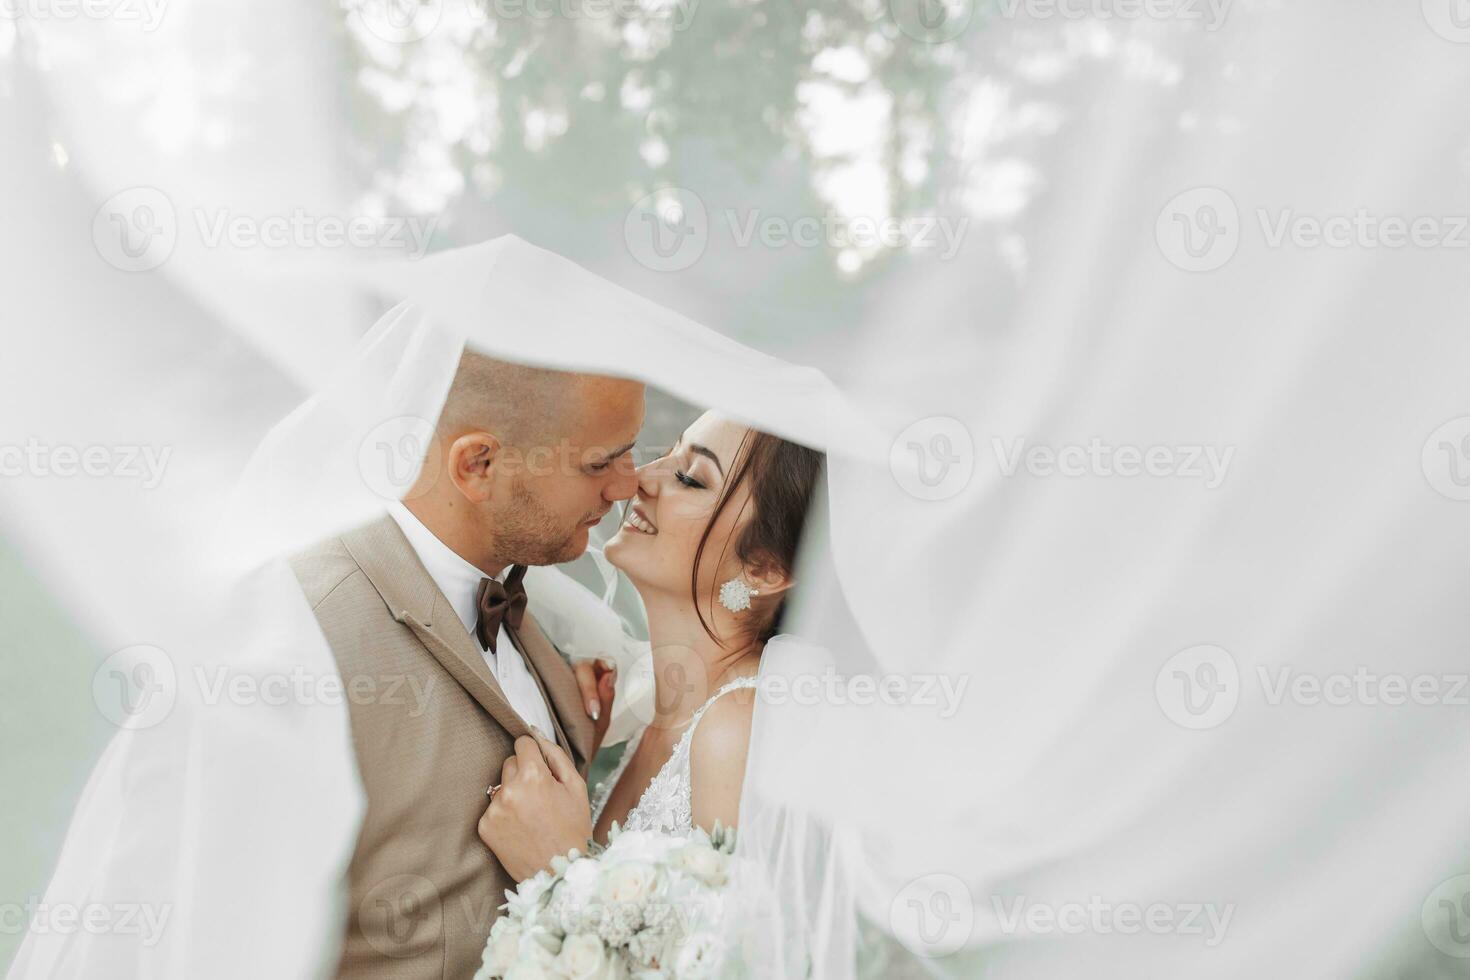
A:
(594, 709)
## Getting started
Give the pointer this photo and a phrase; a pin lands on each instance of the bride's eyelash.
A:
(688, 480)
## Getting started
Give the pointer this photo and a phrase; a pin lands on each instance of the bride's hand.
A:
(597, 679)
(540, 810)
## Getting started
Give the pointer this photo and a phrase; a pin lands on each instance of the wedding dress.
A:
(666, 805)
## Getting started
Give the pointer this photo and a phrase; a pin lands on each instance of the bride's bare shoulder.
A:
(717, 754)
(723, 732)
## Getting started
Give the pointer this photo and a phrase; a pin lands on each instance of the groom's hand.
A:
(540, 810)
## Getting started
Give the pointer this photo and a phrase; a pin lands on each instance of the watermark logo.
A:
(146, 464)
(933, 916)
(1199, 230)
(397, 21)
(932, 21)
(1361, 687)
(1446, 459)
(300, 228)
(1199, 687)
(222, 684)
(1450, 19)
(1362, 229)
(934, 458)
(136, 687)
(1101, 917)
(677, 683)
(1210, 14)
(391, 455)
(1208, 464)
(402, 916)
(42, 918)
(410, 21)
(668, 230)
(840, 232)
(146, 13)
(1445, 917)
(944, 692)
(136, 230)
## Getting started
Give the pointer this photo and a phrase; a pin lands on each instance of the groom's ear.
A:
(471, 463)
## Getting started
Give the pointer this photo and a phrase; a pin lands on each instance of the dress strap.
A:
(736, 684)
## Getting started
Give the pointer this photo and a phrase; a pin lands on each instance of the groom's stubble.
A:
(526, 533)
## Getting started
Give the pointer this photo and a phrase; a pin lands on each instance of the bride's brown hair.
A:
(783, 477)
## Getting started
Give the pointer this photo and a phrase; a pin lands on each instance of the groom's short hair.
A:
(523, 406)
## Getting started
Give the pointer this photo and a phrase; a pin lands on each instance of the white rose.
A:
(703, 862)
(626, 883)
(698, 958)
(580, 882)
(529, 970)
(527, 897)
(640, 845)
(582, 958)
(533, 961)
(500, 951)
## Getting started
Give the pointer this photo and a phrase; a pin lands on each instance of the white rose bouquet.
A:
(645, 907)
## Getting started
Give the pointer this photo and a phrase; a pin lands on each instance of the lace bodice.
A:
(665, 806)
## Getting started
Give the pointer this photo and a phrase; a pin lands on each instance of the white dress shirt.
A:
(460, 581)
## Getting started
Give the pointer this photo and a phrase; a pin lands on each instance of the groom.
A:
(526, 462)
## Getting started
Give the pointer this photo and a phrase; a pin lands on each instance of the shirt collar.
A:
(455, 577)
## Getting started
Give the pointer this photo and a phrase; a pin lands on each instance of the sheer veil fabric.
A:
(1140, 730)
(238, 816)
(1094, 708)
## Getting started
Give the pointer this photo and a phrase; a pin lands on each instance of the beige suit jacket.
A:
(431, 729)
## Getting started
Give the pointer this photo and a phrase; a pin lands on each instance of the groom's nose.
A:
(622, 486)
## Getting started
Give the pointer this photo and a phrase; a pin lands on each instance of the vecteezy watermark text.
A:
(1209, 464)
(139, 686)
(409, 21)
(137, 230)
(1210, 14)
(1200, 687)
(941, 691)
(39, 459)
(1200, 230)
(1362, 686)
(838, 231)
(224, 684)
(43, 918)
(302, 229)
(148, 14)
(1098, 916)
(669, 230)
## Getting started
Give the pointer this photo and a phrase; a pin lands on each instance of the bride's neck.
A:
(688, 664)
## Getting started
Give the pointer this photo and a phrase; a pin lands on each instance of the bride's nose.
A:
(649, 475)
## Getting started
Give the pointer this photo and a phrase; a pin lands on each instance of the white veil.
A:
(1190, 743)
(225, 816)
(1176, 738)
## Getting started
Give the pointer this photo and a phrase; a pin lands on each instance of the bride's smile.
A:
(678, 493)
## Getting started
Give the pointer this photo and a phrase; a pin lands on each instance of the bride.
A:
(710, 542)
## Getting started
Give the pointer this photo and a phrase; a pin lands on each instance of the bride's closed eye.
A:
(688, 480)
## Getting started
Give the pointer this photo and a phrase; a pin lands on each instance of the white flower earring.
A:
(735, 595)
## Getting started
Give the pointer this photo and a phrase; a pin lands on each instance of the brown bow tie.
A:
(499, 603)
